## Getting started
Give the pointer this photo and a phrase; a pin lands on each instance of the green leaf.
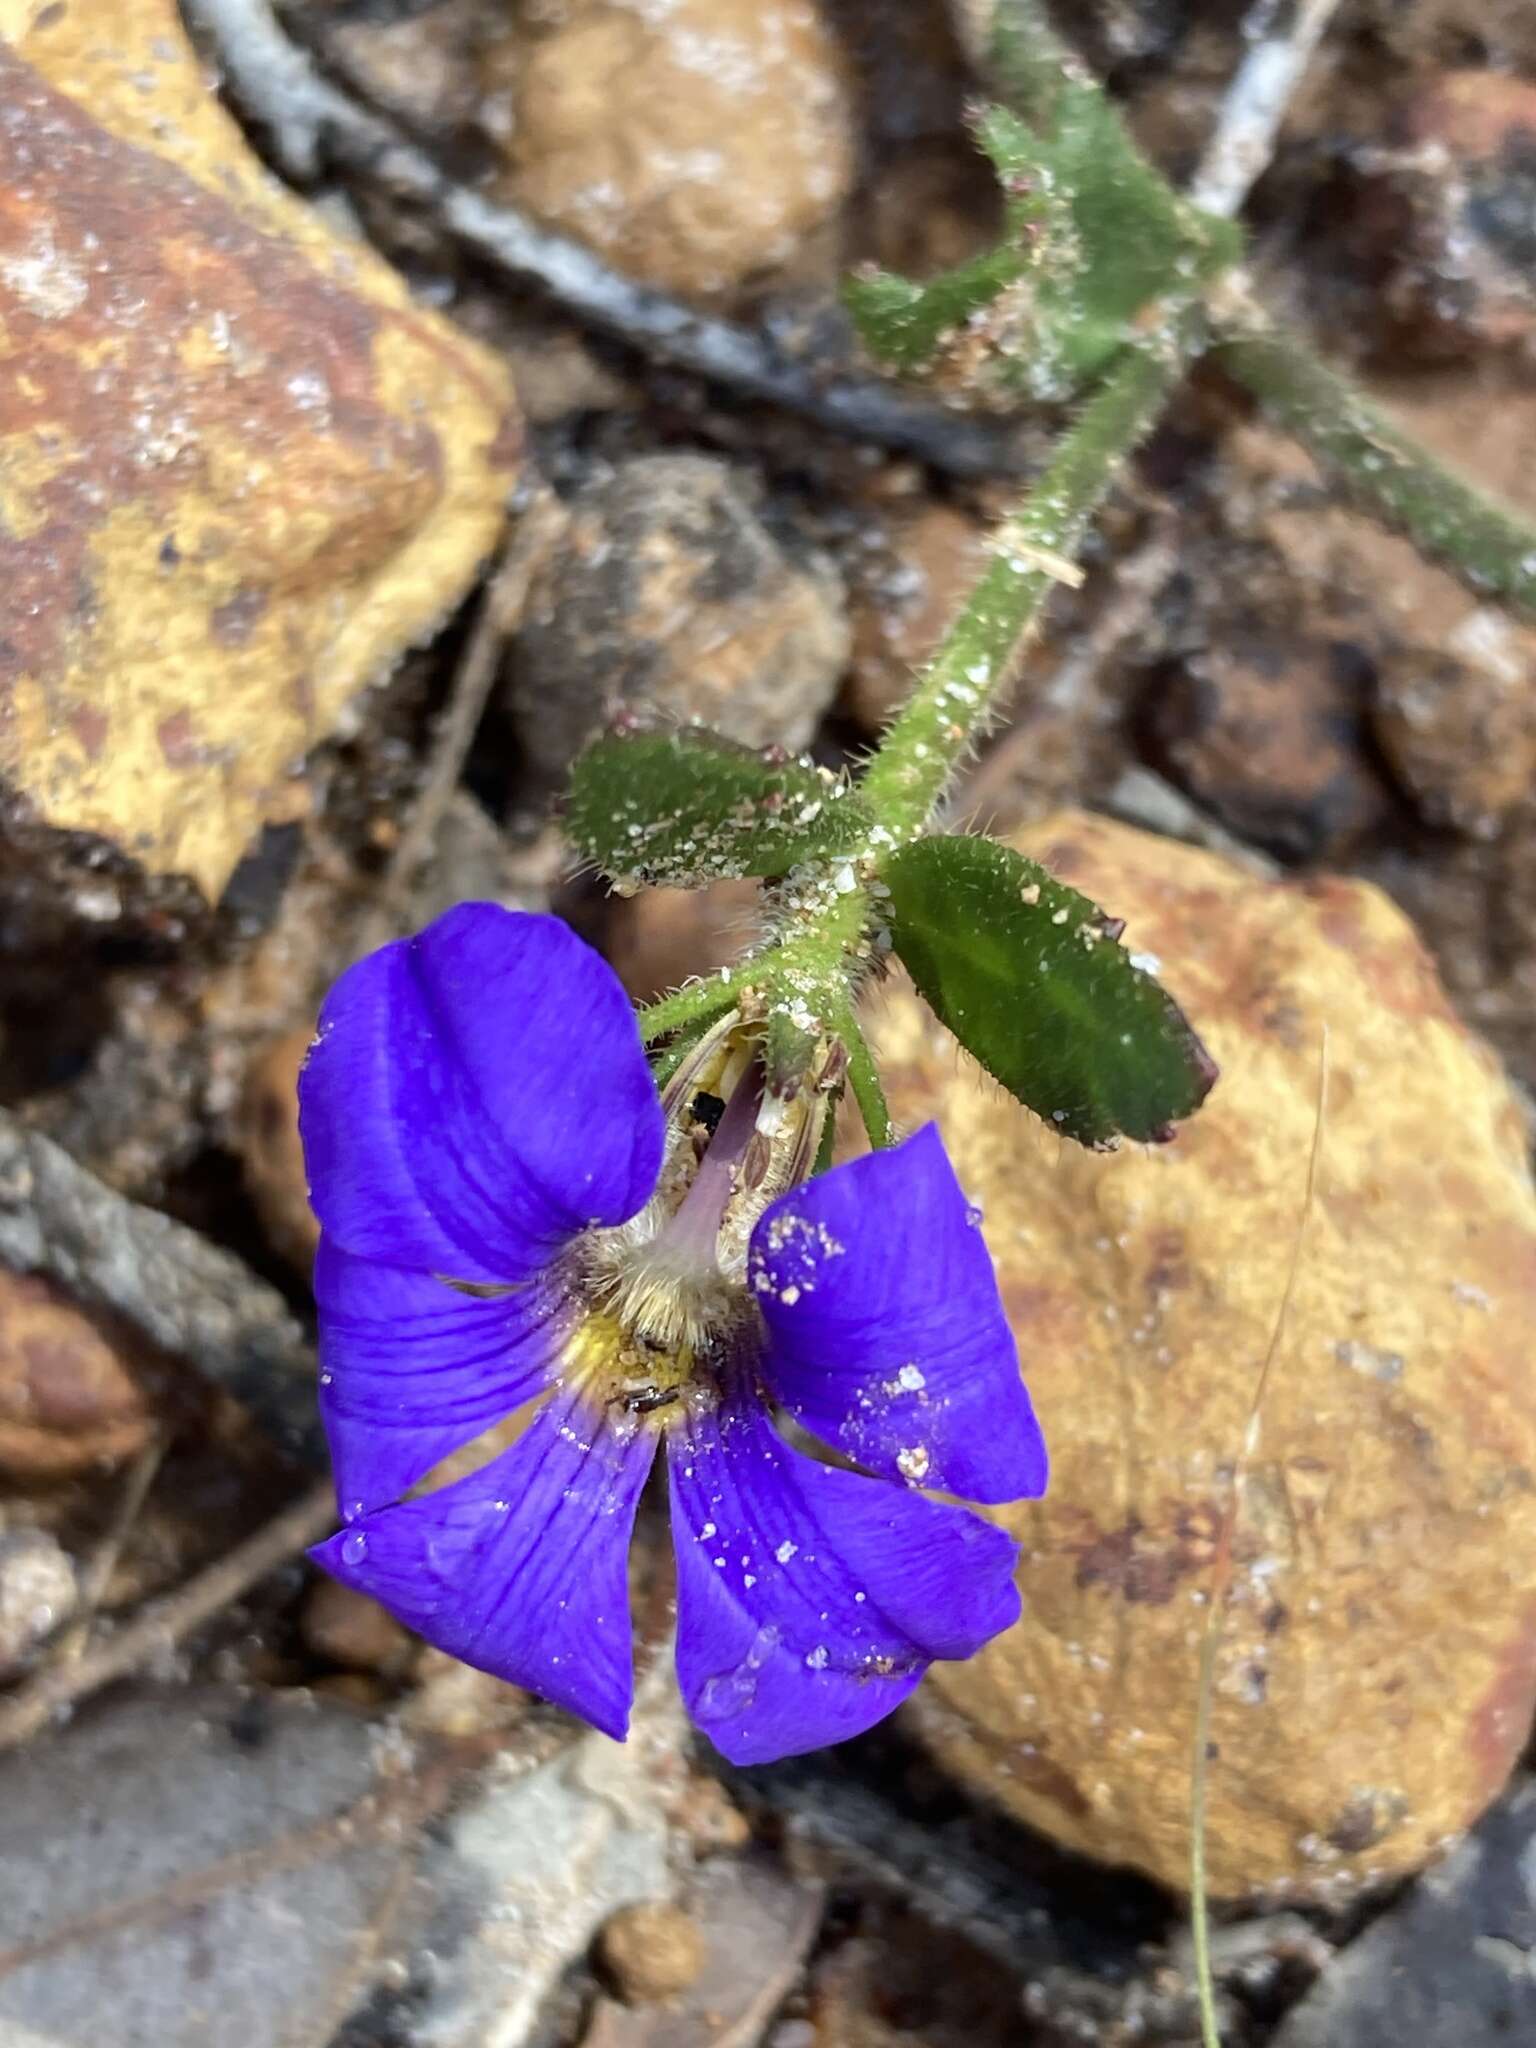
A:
(1140, 242)
(686, 808)
(909, 326)
(904, 325)
(1031, 978)
(1093, 240)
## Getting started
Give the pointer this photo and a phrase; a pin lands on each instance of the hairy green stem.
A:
(1023, 59)
(697, 1002)
(1489, 545)
(864, 1080)
(958, 691)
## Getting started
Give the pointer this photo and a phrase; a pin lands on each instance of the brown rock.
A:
(418, 63)
(903, 603)
(692, 145)
(662, 937)
(670, 595)
(349, 1629)
(650, 1951)
(271, 1156)
(1263, 728)
(1452, 700)
(241, 471)
(1439, 229)
(1378, 1660)
(72, 1390)
(1437, 32)
(1459, 725)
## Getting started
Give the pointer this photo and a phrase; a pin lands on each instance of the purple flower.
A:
(509, 1213)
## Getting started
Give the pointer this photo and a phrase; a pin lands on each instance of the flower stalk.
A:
(959, 691)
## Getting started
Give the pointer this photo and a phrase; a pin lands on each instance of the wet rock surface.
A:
(1385, 1519)
(191, 619)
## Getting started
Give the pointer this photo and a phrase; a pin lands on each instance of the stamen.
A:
(689, 1239)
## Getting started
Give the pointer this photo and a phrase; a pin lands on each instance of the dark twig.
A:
(308, 118)
(187, 1296)
(165, 1623)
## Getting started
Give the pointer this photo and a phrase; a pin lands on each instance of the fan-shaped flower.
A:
(511, 1215)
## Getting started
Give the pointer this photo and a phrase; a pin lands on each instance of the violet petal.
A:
(412, 1369)
(476, 1096)
(886, 1332)
(521, 1569)
(810, 1600)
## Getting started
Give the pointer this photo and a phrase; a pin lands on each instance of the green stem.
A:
(958, 691)
(864, 1080)
(1488, 545)
(699, 1002)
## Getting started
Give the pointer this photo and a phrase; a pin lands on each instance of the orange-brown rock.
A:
(240, 473)
(1377, 1661)
(271, 1156)
(692, 145)
(72, 1389)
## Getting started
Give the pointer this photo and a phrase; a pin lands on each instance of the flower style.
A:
(511, 1214)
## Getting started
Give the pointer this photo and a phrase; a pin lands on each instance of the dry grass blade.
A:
(1221, 1585)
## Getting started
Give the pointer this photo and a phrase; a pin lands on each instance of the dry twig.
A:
(308, 119)
(164, 1623)
(97, 1575)
(538, 524)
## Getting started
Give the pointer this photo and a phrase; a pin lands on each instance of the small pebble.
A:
(650, 1951)
(349, 1629)
(38, 1593)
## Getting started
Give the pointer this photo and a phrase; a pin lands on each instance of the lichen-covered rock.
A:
(74, 1392)
(669, 595)
(692, 144)
(1378, 1657)
(239, 472)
